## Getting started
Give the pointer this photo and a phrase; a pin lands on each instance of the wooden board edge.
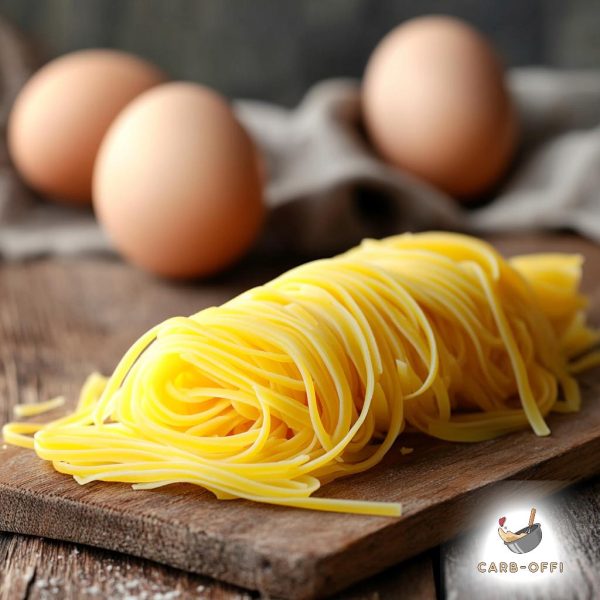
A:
(293, 577)
(284, 576)
(387, 547)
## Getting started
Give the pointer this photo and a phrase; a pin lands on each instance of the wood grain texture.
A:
(40, 569)
(61, 319)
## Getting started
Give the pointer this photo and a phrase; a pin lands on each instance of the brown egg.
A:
(61, 115)
(176, 183)
(436, 104)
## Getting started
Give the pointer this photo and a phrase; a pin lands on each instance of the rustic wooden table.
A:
(39, 569)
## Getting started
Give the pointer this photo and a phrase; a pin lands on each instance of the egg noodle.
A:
(314, 375)
(33, 410)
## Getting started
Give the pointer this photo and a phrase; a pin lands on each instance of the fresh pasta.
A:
(314, 375)
(33, 410)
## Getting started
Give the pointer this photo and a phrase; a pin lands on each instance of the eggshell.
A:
(436, 104)
(176, 183)
(62, 113)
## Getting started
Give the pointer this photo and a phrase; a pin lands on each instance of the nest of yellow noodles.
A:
(314, 375)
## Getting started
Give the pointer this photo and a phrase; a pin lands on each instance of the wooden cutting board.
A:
(61, 319)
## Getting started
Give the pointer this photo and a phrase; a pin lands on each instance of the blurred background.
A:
(436, 135)
(275, 49)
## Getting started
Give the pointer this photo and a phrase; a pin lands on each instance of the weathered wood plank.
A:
(39, 569)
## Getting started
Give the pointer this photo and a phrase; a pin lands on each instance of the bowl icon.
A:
(528, 542)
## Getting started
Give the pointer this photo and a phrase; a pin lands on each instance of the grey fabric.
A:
(326, 189)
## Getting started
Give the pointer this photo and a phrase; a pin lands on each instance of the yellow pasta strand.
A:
(314, 375)
(39, 408)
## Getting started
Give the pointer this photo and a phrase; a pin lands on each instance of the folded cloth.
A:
(327, 189)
